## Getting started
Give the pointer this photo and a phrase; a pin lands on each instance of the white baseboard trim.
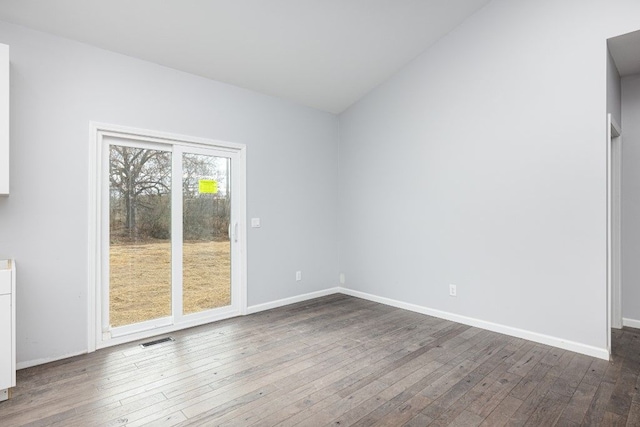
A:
(252, 309)
(632, 323)
(600, 353)
(36, 362)
(291, 300)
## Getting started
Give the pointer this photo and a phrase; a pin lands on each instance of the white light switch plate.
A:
(255, 222)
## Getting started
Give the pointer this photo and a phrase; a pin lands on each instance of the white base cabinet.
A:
(7, 327)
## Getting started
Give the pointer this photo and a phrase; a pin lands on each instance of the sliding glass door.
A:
(206, 240)
(139, 234)
(170, 236)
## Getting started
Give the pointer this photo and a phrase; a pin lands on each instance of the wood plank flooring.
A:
(333, 361)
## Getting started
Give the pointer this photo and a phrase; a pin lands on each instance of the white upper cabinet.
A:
(4, 120)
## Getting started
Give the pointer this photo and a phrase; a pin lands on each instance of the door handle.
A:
(235, 232)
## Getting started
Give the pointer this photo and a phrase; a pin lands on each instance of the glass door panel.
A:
(206, 218)
(166, 209)
(139, 235)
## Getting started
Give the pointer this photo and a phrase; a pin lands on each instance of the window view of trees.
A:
(205, 215)
(140, 195)
(140, 188)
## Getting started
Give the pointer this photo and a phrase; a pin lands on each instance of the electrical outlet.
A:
(342, 279)
(298, 276)
(453, 291)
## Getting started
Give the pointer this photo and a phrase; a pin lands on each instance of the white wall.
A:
(482, 164)
(59, 86)
(631, 197)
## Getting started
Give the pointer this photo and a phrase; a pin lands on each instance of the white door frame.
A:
(97, 211)
(614, 196)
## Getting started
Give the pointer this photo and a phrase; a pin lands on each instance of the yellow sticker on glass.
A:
(207, 186)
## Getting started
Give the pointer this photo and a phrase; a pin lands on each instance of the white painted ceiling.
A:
(324, 54)
(625, 50)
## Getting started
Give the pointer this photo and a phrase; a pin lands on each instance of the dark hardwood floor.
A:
(334, 361)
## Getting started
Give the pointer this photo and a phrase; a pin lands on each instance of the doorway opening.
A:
(623, 101)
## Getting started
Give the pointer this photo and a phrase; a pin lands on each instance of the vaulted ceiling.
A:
(324, 54)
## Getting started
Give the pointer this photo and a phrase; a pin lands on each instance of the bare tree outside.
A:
(206, 215)
(140, 181)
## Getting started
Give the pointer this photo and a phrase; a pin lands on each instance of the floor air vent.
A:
(154, 342)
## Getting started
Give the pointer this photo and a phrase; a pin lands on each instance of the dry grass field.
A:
(140, 287)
